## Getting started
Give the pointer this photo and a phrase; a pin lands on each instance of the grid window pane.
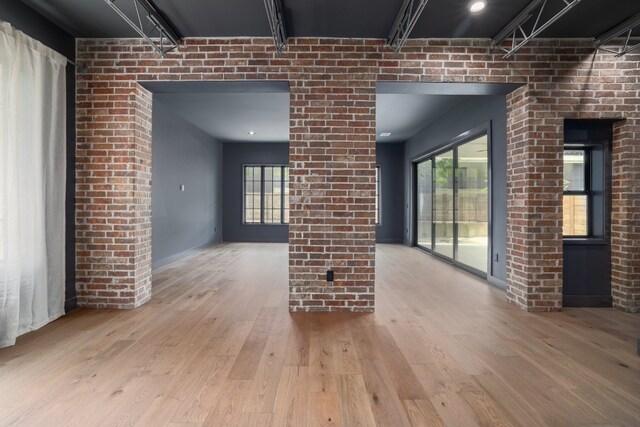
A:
(575, 215)
(266, 194)
(574, 170)
(285, 185)
(253, 185)
(272, 194)
(575, 203)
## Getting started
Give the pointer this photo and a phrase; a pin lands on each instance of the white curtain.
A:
(32, 184)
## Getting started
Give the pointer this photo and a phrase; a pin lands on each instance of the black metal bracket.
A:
(515, 30)
(624, 29)
(276, 23)
(407, 17)
(150, 25)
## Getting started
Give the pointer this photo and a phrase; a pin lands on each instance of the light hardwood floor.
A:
(217, 346)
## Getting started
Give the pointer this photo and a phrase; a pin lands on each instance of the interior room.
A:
(320, 213)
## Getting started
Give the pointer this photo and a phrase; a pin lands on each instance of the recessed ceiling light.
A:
(252, 132)
(477, 6)
(385, 134)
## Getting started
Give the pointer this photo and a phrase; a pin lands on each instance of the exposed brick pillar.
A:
(332, 173)
(625, 224)
(113, 189)
(534, 203)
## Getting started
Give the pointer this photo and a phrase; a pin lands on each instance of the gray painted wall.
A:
(476, 112)
(35, 25)
(390, 158)
(236, 155)
(183, 155)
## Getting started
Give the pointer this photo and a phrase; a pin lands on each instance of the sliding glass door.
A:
(443, 204)
(424, 202)
(452, 204)
(472, 204)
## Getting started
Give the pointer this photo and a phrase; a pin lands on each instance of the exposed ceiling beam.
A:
(624, 29)
(521, 36)
(276, 23)
(150, 25)
(407, 17)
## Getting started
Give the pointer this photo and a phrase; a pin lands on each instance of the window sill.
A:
(584, 241)
(260, 223)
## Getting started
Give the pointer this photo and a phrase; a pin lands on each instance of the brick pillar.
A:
(332, 173)
(625, 221)
(534, 203)
(113, 195)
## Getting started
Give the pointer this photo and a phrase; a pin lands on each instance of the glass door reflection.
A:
(443, 201)
(472, 204)
(424, 202)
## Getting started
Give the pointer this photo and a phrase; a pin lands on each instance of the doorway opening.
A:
(454, 138)
(220, 165)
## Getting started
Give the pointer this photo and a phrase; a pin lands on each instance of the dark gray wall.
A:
(390, 158)
(35, 25)
(183, 155)
(476, 112)
(236, 155)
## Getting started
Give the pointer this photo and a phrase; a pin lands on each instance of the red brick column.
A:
(113, 195)
(534, 203)
(625, 216)
(332, 172)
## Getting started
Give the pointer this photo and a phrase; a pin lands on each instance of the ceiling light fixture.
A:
(385, 134)
(252, 132)
(477, 6)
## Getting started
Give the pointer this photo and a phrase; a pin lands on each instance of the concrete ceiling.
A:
(403, 115)
(230, 116)
(332, 18)
(229, 111)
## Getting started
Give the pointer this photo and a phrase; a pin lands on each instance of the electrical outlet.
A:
(329, 275)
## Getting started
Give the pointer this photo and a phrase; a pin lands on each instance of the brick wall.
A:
(332, 154)
(625, 215)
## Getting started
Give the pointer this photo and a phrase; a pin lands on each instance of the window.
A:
(577, 195)
(377, 195)
(266, 194)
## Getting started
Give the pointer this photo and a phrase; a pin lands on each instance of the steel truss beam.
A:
(276, 23)
(407, 17)
(515, 28)
(624, 29)
(150, 25)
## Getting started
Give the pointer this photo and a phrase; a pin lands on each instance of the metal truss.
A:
(276, 23)
(407, 17)
(625, 29)
(150, 25)
(519, 35)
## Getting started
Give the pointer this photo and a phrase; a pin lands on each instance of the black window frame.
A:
(586, 191)
(283, 181)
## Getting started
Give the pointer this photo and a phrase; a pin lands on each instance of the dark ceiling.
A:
(333, 18)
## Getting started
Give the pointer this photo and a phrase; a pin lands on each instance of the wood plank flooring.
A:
(216, 345)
